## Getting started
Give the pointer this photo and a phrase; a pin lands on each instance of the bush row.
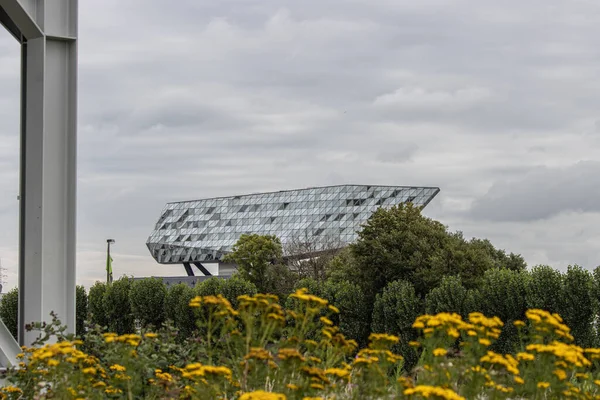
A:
(126, 305)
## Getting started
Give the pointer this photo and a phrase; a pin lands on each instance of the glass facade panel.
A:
(205, 230)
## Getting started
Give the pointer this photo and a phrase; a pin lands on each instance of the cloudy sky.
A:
(497, 103)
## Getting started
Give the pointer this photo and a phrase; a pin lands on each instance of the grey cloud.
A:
(542, 193)
(216, 98)
(401, 154)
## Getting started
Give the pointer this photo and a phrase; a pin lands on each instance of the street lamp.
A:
(108, 260)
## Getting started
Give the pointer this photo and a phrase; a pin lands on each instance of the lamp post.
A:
(108, 260)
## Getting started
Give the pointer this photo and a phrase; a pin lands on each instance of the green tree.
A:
(393, 245)
(395, 310)
(177, 309)
(254, 255)
(147, 299)
(9, 311)
(545, 286)
(451, 296)
(236, 286)
(81, 309)
(118, 306)
(343, 267)
(350, 300)
(210, 287)
(504, 294)
(96, 308)
(578, 305)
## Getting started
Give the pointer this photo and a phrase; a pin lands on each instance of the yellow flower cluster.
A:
(543, 322)
(219, 302)
(311, 300)
(130, 339)
(433, 391)
(262, 395)
(568, 353)
(510, 363)
(452, 325)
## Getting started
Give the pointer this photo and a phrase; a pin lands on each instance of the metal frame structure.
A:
(47, 31)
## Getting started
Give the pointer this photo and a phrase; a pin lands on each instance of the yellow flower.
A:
(53, 363)
(519, 380)
(430, 391)
(262, 395)
(439, 352)
(484, 342)
(525, 356)
(117, 367)
(560, 374)
(413, 343)
(518, 323)
(151, 335)
(543, 385)
(11, 389)
(89, 371)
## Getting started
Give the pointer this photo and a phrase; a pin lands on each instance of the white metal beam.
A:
(48, 169)
(24, 14)
(47, 30)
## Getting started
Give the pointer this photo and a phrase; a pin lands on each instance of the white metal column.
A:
(48, 30)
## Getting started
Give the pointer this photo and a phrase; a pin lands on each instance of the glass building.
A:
(203, 231)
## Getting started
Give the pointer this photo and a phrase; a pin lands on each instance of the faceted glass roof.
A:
(205, 230)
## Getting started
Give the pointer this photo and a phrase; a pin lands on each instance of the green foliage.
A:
(400, 243)
(118, 306)
(9, 311)
(451, 296)
(578, 306)
(393, 245)
(237, 286)
(504, 294)
(147, 299)
(254, 255)
(343, 267)
(543, 291)
(210, 287)
(81, 309)
(96, 310)
(354, 314)
(178, 310)
(394, 311)
(280, 280)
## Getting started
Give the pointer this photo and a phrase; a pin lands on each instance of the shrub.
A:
(147, 299)
(236, 286)
(118, 306)
(451, 296)
(353, 318)
(178, 310)
(81, 309)
(210, 287)
(252, 353)
(96, 308)
(9, 311)
(504, 294)
(578, 306)
(544, 289)
(394, 312)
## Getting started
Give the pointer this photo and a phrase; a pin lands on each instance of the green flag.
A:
(109, 273)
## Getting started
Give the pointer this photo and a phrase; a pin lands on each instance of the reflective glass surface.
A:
(205, 230)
